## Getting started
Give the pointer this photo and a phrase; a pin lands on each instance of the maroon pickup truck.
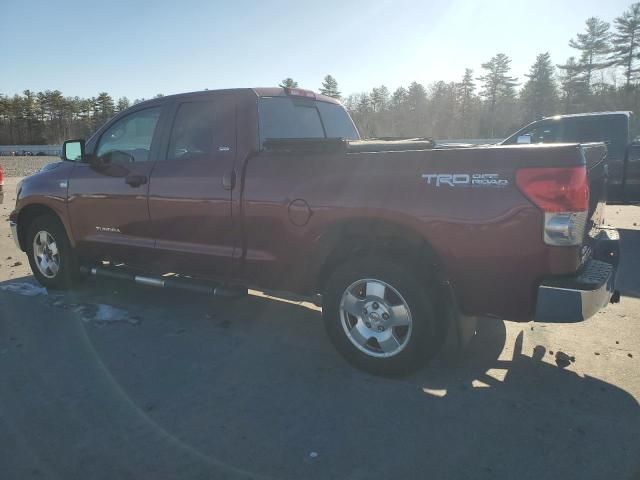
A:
(273, 189)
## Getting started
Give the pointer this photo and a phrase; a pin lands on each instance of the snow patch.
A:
(24, 288)
(98, 313)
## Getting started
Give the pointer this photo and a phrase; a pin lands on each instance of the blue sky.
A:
(140, 48)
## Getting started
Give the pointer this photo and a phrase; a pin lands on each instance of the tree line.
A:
(47, 118)
(603, 75)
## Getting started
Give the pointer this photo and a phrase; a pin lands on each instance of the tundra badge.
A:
(108, 229)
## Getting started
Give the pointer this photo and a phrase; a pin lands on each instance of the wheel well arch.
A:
(28, 214)
(363, 237)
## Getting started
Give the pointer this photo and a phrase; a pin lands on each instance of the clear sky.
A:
(140, 48)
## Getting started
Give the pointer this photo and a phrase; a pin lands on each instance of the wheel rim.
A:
(45, 254)
(376, 318)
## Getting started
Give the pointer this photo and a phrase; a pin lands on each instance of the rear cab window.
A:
(285, 117)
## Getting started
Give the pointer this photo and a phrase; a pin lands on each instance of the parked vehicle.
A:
(271, 188)
(617, 129)
(1, 184)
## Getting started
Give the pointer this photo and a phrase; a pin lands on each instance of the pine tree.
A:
(626, 43)
(442, 105)
(398, 112)
(123, 104)
(466, 93)
(330, 87)
(417, 110)
(288, 83)
(416, 96)
(498, 88)
(399, 97)
(594, 46)
(363, 114)
(380, 98)
(574, 86)
(103, 108)
(540, 94)
(32, 126)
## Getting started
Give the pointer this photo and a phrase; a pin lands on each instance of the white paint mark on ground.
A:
(24, 288)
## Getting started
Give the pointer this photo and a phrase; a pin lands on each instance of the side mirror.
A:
(73, 150)
(524, 139)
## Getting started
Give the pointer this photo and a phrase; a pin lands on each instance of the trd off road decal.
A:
(465, 180)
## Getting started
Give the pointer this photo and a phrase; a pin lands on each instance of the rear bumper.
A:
(568, 299)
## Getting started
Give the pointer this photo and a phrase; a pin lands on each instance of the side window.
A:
(129, 139)
(545, 133)
(337, 122)
(193, 133)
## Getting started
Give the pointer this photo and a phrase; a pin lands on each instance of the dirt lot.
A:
(21, 166)
(121, 381)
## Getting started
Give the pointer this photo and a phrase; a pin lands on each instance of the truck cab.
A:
(617, 130)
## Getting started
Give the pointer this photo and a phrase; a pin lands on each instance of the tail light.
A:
(1, 176)
(563, 195)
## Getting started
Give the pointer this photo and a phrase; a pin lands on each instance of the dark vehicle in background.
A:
(272, 189)
(617, 130)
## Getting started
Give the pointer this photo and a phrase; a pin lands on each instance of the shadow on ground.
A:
(251, 388)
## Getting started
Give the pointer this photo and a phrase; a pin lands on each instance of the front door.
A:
(108, 199)
(191, 188)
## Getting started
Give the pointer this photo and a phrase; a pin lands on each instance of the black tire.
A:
(68, 272)
(424, 340)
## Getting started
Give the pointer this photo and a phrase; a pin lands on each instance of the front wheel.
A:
(380, 317)
(51, 257)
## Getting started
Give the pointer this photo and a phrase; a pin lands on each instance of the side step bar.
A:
(179, 283)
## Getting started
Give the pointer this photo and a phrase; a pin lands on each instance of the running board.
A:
(179, 283)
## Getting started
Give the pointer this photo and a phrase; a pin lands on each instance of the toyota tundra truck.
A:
(273, 189)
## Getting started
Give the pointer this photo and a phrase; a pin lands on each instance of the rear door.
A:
(192, 186)
(107, 205)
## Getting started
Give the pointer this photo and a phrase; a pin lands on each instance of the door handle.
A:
(229, 180)
(136, 180)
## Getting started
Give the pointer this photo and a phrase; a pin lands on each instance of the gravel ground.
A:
(23, 166)
(116, 380)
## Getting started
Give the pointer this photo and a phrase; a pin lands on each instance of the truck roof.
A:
(627, 113)
(258, 91)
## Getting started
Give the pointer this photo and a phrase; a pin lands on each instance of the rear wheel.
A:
(380, 317)
(51, 257)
